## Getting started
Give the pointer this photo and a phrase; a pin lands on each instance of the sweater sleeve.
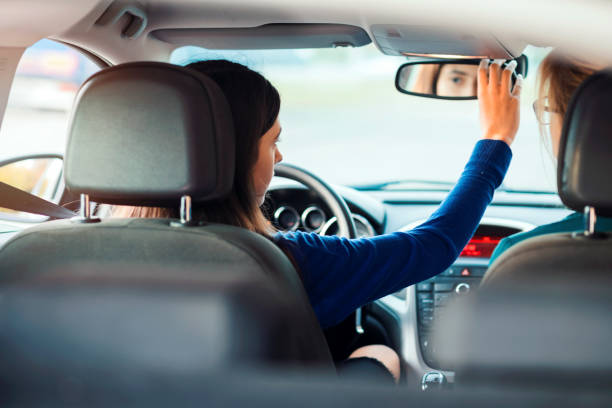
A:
(341, 274)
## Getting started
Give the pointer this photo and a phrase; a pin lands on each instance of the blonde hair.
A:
(559, 76)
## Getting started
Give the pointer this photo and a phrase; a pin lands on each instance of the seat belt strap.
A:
(18, 200)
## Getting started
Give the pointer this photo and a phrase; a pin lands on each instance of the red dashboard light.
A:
(480, 247)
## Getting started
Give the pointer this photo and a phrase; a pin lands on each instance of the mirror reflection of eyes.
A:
(456, 80)
(444, 79)
(457, 76)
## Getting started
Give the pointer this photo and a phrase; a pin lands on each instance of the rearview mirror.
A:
(445, 79)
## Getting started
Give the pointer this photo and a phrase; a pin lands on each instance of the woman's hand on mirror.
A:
(498, 101)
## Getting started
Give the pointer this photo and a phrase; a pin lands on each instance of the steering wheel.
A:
(336, 204)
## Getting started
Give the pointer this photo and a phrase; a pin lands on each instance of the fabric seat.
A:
(85, 295)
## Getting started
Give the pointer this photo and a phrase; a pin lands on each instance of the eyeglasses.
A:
(543, 111)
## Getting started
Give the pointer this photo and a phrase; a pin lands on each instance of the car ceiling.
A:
(507, 25)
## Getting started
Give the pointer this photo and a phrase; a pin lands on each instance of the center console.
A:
(464, 276)
(418, 307)
(433, 295)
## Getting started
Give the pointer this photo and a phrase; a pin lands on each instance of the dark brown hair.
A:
(255, 105)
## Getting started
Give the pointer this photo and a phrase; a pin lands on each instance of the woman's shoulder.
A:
(301, 243)
(295, 237)
(570, 223)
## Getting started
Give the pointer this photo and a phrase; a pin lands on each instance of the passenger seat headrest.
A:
(147, 133)
(585, 148)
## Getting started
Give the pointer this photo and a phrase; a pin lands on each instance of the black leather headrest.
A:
(585, 150)
(146, 133)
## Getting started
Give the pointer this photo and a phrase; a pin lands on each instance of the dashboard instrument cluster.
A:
(300, 210)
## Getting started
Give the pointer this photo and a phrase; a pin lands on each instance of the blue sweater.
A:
(341, 274)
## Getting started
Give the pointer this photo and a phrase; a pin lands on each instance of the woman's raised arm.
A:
(340, 274)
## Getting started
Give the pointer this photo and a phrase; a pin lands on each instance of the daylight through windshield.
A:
(344, 120)
(342, 117)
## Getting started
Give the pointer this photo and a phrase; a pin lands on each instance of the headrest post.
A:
(590, 219)
(85, 206)
(186, 210)
(85, 213)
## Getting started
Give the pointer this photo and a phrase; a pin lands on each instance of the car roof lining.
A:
(23, 22)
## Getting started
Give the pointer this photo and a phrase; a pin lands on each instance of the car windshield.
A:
(344, 120)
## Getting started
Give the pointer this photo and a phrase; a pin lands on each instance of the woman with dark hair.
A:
(339, 274)
(255, 105)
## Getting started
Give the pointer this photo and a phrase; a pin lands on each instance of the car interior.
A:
(98, 110)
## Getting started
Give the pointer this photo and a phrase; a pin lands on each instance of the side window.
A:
(33, 130)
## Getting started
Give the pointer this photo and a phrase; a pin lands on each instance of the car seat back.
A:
(176, 294)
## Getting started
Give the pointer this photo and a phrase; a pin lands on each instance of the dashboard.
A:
(413, 311)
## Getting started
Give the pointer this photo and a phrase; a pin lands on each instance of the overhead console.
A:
(423, 41)
(268, 36)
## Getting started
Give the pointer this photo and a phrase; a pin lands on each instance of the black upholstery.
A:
(228, 295)
(585, 150)
(109, 319)
(264, 389)
(146, 133)
(537, 336)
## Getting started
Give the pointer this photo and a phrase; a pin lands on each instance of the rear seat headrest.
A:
(585, 150)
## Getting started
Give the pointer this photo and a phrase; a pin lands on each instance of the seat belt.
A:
(18, 200)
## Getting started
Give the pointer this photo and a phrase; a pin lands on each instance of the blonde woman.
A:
(558, 78)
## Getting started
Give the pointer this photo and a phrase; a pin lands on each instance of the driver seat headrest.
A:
(147, 133)
(585, 148)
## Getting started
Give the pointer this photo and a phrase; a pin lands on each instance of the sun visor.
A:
(438, 43)
(268, 36)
